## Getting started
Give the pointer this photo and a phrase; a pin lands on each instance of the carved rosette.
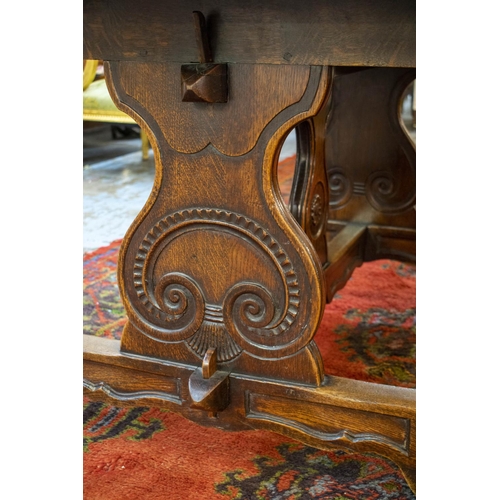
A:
(317, 210)
(247, 316)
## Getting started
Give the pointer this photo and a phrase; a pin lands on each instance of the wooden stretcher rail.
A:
(341, 413)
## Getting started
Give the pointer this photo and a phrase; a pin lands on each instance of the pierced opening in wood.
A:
(408, 110)
(302, 169)
(286, 165)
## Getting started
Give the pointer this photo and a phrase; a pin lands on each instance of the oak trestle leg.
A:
(223, 285)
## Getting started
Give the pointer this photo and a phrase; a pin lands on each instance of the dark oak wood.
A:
(342, 413)
(317, 32)
(345, 252)
(251, 282)
(203, 82)
(370, 159)
(223, 285)
(202, 41)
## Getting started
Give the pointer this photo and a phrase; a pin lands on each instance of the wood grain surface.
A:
(223, 285)
(317, 32)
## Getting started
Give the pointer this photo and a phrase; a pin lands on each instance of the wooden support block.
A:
(204, 82)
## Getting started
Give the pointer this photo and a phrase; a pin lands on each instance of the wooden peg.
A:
(209, 387)
(206, 81)
(209, 364)
(201, 33)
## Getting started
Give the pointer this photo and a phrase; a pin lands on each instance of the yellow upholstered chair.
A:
(98, 105)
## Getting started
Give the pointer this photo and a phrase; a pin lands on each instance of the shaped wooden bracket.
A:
(206, 81)
(209, 387)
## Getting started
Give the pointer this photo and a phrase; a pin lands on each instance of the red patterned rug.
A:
(367, 333)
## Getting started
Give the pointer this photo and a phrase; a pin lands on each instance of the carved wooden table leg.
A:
(370, 162)
(223, 289)
(216, 259)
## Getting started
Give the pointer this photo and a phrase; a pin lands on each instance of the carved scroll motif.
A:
(370, 158)
(340, 187)
(217, 261)
(214, 259)
(177, 307)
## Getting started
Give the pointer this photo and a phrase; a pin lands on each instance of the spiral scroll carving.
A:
(340, 187)
(250, 305)
(253, 320)
(176, 305)
(384, 193)
(180, 300)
